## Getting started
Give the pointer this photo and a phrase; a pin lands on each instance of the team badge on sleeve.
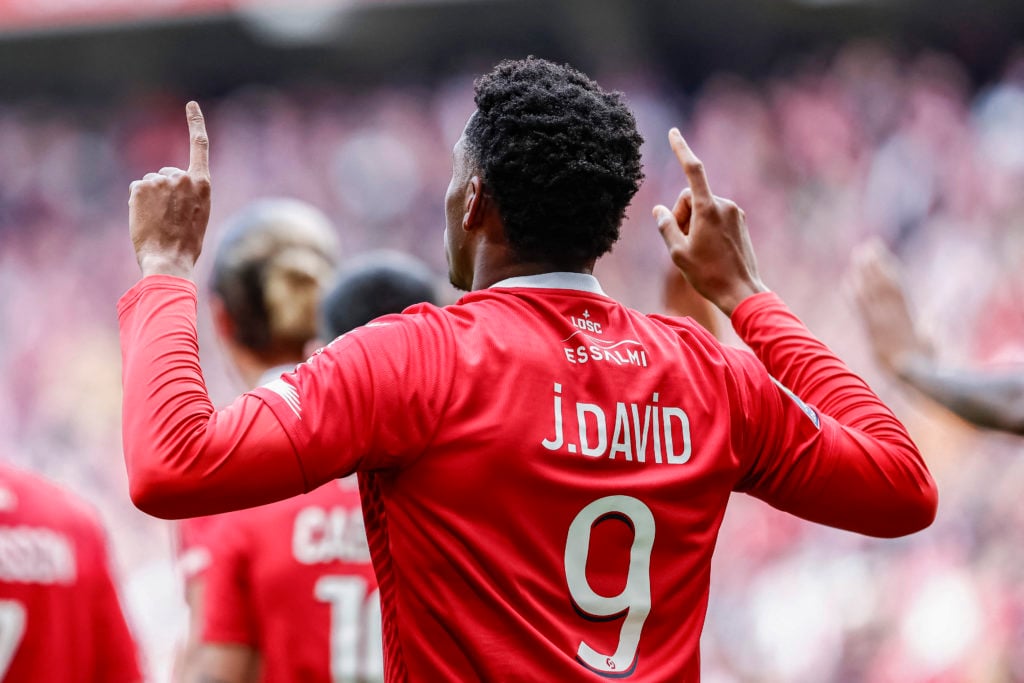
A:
(808, 411)
(288, 393)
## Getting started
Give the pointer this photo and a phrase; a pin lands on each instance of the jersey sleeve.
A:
(369, 400)
(228, 602)
(817, 441)
(372, 399)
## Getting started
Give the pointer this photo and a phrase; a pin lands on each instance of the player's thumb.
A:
(676, 242)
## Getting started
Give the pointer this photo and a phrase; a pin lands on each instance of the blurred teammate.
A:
(60, 619)
(545, 470)
(681, 300)
(270, 270)
(992, 400)
(374, 284)
(290, 592)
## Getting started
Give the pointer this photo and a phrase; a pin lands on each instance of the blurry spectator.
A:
(993, 400)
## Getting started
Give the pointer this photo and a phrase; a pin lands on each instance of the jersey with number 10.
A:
(293, 581)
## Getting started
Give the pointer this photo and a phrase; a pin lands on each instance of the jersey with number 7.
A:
(60, 618)
(544, 471)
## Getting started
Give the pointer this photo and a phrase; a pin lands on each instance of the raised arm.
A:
(845, 460)
(168, 211)
(992, 400)
(183, 458)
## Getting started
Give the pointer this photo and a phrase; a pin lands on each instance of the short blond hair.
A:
(270, 271)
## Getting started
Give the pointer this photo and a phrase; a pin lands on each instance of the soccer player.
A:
(60, 619)
(271, 268)
(290, 592)
(546, 470)
(992, 400)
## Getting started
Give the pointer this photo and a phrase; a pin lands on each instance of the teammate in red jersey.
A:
(275, 260)
(994, 400)
(290, 591)
(60, 619)
(546, 470)
(193, 542)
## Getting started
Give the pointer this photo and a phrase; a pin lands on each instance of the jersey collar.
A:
(274, 373)
(582, 282)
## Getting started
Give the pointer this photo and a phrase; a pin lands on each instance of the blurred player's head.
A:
(551, 158)
(269, 273)
(373, 285)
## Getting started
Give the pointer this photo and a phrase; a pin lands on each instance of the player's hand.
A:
(707, 237)
(168, 210)
(875, 283)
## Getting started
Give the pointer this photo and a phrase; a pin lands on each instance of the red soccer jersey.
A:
(545, 469)
(293, 580)
(194, 537)
(60, 619)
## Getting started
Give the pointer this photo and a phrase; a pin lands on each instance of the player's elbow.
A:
(1015, 423)
(915, 510)
(1011, 411)
(156, 494)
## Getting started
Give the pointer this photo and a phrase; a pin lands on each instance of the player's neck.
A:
(252, 367)
(493, 258)
(487, 274)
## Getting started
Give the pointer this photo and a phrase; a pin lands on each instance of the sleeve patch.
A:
(288, 394)
(807, 410)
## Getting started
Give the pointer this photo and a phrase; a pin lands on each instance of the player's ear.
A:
(473, 209)
(222, 321)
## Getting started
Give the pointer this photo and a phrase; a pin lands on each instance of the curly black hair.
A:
(560, 157)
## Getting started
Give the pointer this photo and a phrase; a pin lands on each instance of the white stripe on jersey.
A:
(288, 393)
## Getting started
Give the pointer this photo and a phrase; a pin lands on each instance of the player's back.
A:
(293, 580)
(60, 620)
(545, 471)
(575, 483)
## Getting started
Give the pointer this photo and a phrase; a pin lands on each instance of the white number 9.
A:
(635, 599)
(12, 628)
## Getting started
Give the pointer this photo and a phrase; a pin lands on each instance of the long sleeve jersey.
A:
(543, 470)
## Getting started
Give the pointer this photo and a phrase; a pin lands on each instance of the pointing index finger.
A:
(692, 166)
(199, 143)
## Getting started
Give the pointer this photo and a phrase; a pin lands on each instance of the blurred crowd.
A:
(822, 157)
